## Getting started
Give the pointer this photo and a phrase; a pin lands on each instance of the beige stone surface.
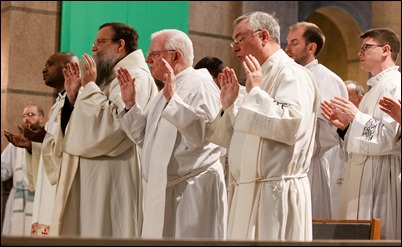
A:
(37, 5)
(334, 52)
(5, 48)
(30, 34)
(342, 43)
(384, 14)
(5, 4)
(34, 40)
(207, 46)
(214, 17)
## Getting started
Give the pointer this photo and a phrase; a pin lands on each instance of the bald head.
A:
(53, 70)
(355, 91)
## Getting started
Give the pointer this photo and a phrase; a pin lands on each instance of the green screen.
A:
(80, 20)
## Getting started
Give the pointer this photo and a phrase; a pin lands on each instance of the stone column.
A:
(385, 14)
(29, 35)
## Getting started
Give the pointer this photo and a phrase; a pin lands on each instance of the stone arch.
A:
(342, 32)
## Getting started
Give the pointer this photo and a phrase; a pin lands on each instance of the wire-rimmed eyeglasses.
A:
(157, 54)
(242, 39)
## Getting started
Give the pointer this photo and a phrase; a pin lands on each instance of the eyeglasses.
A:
(365, 47)
(101, 41)
(157, 54)
(242, 39)
(29, 114)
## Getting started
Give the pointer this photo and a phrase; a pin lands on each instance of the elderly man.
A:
(270, 135)
(185, 195)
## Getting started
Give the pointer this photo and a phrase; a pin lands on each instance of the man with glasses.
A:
(18, 212)
(185, 194)
(370, 136)
(270, 135)
(99, 191)
(305, 41)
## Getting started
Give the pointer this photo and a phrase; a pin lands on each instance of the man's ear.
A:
(386, 48)
(312, 47)
(265, 36)
(122, 44)
(219, 79)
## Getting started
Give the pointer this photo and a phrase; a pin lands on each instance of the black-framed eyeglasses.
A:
(242, 39)
(102, 41)
(29, 114)
(365, 47)
(157, 54)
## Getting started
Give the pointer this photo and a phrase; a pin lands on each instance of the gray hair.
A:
(359, 88)
(258, 20)
(177, 40)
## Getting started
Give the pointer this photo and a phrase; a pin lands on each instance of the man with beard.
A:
(99, 191)
(305, 42)
(18, 213)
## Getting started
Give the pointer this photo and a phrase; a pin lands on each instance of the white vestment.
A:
(185, 191)
(372, 186)
(329, 86)
(270, 153)
(47, 168)
(18, 212)
(99, 190)
(338, 168)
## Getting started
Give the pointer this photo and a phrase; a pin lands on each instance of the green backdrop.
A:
(80, 20)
